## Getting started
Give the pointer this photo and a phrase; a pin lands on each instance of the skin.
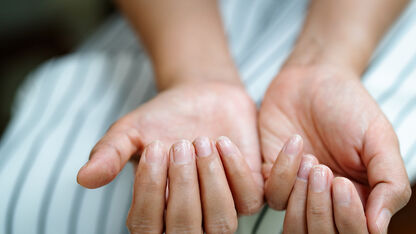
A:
(312, 95)
(318, 95)
(165, 116)
(198, 187)
(318, 202)
(194, 100)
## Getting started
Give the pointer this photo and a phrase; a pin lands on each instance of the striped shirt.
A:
(67, 104)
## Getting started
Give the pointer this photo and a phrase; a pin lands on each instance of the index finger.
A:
(148, 204)
(282, 177)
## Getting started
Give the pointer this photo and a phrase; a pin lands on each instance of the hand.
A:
(344, 128)
(318, 202)
(201, 186)
(184, 111)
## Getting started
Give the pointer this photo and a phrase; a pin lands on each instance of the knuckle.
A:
(152, 186)
(106, 144)
(318, 211)
(276, 204)
(222, 225)
(249, 206)
(149, 179)
(181, 228)
(185, 179)
(183, 221)
(347, 224)
(181, 183)
(141, 225)
(404, 192)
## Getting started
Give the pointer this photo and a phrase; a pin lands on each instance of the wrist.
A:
(317, 72)
(319, 53)
(169, 78)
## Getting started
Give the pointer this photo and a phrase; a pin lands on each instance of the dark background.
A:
(32, 32)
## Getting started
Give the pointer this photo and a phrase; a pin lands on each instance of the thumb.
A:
(384, 201)
(390, 188)
(110, 154)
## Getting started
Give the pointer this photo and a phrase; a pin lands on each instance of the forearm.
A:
(344, 33)
(185, 39)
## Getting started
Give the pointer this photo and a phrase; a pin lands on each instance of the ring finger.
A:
(219, 212)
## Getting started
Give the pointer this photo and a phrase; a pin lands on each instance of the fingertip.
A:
(311, 158)
(182, 152)
(95, 174)
(307, 162)
(326, 169)
(226, 147)
(341, 191)
(341, 181)
(294, 146)
(154, 153)
(90, 180)
(203, 146)
(320, 179)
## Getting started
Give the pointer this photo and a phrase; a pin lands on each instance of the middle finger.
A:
(184, 206)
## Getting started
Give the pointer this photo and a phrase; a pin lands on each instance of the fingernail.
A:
(227, 148)
(342, 193)
(292, 147)
(305, 167)
(153, 152)
(203, 147)
(181, 152)
(383, 220)
(319, 179)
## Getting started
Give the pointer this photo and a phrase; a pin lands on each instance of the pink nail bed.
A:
(153, 153)
(305, 167)
(181, 152)
(227, 148)
(203, 147)
(318, 180)
(292, 147)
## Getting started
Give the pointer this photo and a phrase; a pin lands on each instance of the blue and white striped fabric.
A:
(67, 104)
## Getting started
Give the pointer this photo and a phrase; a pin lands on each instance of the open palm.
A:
(342, 126)
(185, 111)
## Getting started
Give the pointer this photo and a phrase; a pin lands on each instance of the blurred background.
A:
(32, 32)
